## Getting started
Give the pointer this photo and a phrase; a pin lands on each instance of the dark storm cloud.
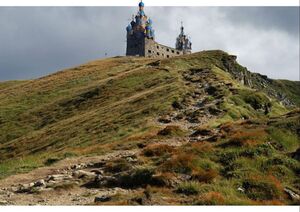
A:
(35, 41)
(281, 18)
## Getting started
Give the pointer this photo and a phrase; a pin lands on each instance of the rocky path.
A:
(199, 106)
(51, 185)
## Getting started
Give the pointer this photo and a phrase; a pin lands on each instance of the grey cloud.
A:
(35, 41)
(281, 18)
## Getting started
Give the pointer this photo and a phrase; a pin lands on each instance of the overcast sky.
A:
(35, 41)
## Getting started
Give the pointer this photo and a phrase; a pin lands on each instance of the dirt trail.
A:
(56, 168)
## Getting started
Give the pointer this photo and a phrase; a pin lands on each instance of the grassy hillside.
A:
(126, 102)
(81, 110)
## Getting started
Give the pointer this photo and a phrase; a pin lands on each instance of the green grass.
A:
(189, 188)
(114, 104)
(288, 140)
(19, 165)
(290, 88)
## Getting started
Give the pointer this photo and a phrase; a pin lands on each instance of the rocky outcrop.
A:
(254, 80)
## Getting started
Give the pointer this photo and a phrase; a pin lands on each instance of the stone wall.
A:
(156, 50)
(146, 47)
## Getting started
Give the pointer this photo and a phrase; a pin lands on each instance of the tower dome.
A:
(141, 25)
(141, 4)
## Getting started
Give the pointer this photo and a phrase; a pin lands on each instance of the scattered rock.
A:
(84, 174)
(177, 105)
(104, 181)
(102, 199)
(97, 171)
(213, 138)
(40, 183)
(194, 116)
(170, 130)
(99, 164)
(179, 116)
(58, 177)
(131, 160)
(3, 202)
(211, 90)
(201, 132)
(79, 166)
(14, 189)
(214, 111)
(155, 63)
(293, 195)
(241, 189)
(76, 166)
(141, 145)
(165, 119)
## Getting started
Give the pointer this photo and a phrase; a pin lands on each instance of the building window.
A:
(168, 56)
(157, 53)
(157, 47)
(172, 51)
(177, 52)
(168, 50)
(149, 51)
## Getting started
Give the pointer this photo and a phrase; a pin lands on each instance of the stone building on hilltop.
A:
(141, 39)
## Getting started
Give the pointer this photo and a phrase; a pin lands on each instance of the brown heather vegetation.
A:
(211, 198)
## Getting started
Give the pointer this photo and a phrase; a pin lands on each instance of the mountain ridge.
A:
(134, 103)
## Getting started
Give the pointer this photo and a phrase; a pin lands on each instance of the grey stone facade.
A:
(146, 47)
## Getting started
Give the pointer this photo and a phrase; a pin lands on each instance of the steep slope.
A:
(202, 113)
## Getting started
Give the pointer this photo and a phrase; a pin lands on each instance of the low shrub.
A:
(246, 138)
(283, 160)
(51, 161)
(286, 139)
(226, 157)
(260, 188)
(206, 176)
(202, 147)
(180, 163)
(188, 188)
(118, 165)
(166, 179)
(138, 178)
(211, 198)
(157, 150)
(259, 150)
(171, 130)
(256, 100)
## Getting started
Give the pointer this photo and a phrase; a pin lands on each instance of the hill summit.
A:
(193, 129)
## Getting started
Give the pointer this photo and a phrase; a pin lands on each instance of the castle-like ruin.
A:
(141, 42)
